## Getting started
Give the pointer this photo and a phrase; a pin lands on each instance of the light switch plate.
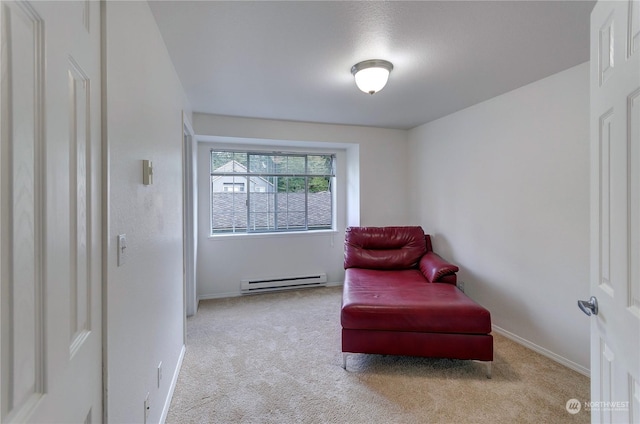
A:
(122, 249)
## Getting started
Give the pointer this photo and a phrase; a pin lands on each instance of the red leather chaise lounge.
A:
(401, 298)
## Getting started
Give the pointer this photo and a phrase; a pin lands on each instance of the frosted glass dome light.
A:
(371, 75)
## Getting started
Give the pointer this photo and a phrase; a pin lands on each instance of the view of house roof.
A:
(233, 166)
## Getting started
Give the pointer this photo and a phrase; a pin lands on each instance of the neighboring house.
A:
(287, 210)
(232, 183)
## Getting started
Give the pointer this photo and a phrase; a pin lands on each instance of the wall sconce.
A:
(372, 75)
(147, 172)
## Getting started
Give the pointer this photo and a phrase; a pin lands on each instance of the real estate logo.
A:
(606, 406)
(573, 406)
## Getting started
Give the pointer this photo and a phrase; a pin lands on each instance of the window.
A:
(232, 186)
(272, 191)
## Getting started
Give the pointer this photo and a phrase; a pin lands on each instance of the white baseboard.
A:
(174, 381)
(218, 295)
(541, 350)
(238, 293)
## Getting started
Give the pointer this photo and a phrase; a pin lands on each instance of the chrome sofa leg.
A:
(489, 363)
(344, 360)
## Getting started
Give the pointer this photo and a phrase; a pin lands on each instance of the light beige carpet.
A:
(276, 358)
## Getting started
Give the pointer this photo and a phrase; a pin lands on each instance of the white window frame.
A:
(249, 175)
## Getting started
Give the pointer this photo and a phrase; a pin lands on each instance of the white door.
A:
(50, 229)
(615, 212)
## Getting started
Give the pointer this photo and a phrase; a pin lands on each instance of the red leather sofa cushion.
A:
(404, 301)
(384, 247)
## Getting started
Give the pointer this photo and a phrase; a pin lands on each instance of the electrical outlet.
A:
(159, 373)
(460, 285)
(147, 407)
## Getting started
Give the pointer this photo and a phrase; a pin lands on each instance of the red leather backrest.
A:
(383, 247)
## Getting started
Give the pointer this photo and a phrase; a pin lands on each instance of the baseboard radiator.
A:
(282, 283)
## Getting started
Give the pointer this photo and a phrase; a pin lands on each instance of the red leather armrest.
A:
(435, 268)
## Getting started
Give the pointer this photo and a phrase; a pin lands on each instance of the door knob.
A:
(589, 307)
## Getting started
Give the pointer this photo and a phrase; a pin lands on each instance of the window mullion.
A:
(248, 199)
(275, 205)
(306, 193)
(248, 203)
(212, 204)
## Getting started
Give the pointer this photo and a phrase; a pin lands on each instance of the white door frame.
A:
(189, 217)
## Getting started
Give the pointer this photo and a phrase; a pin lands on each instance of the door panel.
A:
(615, 211)
(50, 212)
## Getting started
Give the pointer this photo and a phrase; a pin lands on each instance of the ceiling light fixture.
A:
(372, 75)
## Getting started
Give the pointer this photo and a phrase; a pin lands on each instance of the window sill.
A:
(240, 236)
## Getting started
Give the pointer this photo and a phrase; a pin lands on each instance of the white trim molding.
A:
(543, 351)
(172, 388)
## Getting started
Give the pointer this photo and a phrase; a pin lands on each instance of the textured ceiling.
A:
(291, 60)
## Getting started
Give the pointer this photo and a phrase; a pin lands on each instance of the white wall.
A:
(373, 184)
(504, 186)
(144, 297)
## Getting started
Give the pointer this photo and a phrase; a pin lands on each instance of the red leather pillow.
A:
(383, 247)
(434, 267)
